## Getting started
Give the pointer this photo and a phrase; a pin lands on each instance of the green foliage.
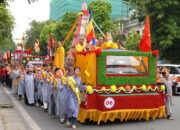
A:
(6, 25)
(118, 23)
(101, 12)
(164, 22)
(63, 27)
(172, 53)
(48, 28)
(6, 45)
(41, 30)
(118, 34)
(33, 34)
(133, 40)
(105, 80)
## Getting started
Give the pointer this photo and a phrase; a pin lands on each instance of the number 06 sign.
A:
(109, 102)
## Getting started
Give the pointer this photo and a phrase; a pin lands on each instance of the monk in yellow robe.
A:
(99, 43)
(59, 56)
(80, 47)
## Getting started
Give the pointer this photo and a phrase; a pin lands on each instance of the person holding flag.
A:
(14, 75)
(74, 100)
(21, 88)
(62, 85)
(168, 97)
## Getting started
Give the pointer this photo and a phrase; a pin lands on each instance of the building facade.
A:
(128, 25)
(120, 8)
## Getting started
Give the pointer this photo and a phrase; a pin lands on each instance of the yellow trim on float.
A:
(123, 115)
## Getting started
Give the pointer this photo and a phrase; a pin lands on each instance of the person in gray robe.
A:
(62, 95)
(14, 75)
(21, 88)
(72, 101)
(168, 96)
(29, 87)
(45, 88)
(44, 93)
(36, 85)
(52, 97)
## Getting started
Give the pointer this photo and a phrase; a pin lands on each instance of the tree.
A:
(172, 53)
(63, 27)
(133, 40)
(164, 22)
(33, 34)
(6, 26)
(48, 28)
(101, 12)
(118, 35)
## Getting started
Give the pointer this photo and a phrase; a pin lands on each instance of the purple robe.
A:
(62, 99)
(72, 101)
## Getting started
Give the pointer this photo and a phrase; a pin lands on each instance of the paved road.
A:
(44, 122)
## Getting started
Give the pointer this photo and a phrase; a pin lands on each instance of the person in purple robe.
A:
(62, 95)
(72, 100)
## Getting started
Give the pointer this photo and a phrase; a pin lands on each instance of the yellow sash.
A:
(75, 88)
(55, 84)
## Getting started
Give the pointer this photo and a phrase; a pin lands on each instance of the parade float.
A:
(121, 84)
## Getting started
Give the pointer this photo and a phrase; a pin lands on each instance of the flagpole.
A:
(98, 28)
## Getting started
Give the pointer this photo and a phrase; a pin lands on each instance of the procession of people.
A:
(35, 85)
(57, 89)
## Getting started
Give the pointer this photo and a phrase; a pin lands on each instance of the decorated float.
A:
(121, 84)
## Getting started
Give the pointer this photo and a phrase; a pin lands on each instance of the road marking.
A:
(32, 124)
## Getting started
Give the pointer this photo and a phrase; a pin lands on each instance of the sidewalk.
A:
(9, 118)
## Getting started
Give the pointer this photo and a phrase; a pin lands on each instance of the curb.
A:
(1, 124)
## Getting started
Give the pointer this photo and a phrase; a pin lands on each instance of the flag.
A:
(9, 69)
(49, 45)
(60, 73)
(5, 55)
(23, 42)
(53, 42)
(8, 54)
(29, 50)
(90, 35)
(36, 46)
(145, 43)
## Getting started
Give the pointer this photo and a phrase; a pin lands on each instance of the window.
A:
(127, 65)
(174, 70)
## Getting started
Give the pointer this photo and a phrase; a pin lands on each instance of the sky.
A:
(24, 13)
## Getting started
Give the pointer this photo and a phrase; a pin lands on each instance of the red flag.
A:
(145, 44)
(53, 42)
(29, 50)
(49, 42)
